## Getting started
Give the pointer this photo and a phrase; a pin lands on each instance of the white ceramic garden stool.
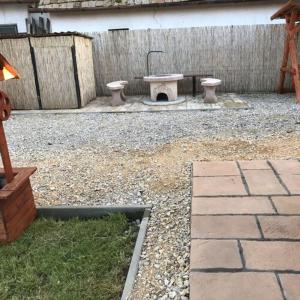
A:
(117, 93)
(202, 80)
(210, 85)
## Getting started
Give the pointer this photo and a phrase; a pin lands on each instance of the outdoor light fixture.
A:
(6, 70)
(17, 208)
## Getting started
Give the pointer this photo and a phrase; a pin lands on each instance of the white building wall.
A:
(14, 14)
(176, 17)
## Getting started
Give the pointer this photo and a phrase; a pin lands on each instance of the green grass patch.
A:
(74, 259)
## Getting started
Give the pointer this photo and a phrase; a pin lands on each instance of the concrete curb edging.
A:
(134, 264)
(141, 212)
(83, 212)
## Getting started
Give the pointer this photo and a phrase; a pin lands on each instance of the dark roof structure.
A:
(18, 1)
(286, 9)
(86, 5)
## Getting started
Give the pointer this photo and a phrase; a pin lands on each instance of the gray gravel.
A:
(269, 115)
(131, 158)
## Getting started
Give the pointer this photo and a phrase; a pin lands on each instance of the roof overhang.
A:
(154, 5)
(286, 9)
(18, 1)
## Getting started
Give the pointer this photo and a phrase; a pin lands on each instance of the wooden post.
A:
(4, 115)
(283, 69)
(17, 208)
(293, 54)
(9, 175)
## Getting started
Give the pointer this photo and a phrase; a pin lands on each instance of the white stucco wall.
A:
(14, 14)
(180, 17)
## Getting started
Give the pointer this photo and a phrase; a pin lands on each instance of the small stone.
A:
(172, 294)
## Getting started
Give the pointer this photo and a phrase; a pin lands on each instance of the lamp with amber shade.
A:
(17, 208)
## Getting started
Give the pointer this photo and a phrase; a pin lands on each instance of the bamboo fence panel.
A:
(56, 77)
(246, 58)
(55, 72)
(85, 68)
(22, 92)
(52, 41)
(120, 56)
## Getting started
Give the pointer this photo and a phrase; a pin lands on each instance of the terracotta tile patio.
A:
(245, 230)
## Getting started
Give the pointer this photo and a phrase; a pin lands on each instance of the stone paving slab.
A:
(224, 227)
(292, 182)
(286, 166)
(216, 168)
(291, 286)
(280, 227)
(232, 205)
(237, 286)
(254, 165)
(272, 255)
(245, 230)
(263, 182)
(218, 186)
(287, 205)
(136, 104)
(206, 254)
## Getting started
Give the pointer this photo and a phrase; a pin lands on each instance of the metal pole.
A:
(149, 52)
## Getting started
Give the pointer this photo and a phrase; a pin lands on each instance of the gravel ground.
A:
(145, 158)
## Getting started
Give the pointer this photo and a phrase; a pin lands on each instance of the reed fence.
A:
(246, 58)
(56, 71)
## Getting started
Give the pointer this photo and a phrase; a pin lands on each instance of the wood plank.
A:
(20, 178)
(17, 207)
(293, 53)
(3, 237)
(2, 226)
(15, 204)
(21, 220)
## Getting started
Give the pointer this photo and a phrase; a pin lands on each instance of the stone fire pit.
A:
(163, 89)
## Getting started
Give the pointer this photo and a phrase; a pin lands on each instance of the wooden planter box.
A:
(17, 208)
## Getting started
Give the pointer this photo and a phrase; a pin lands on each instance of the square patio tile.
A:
(291, 285)
(292, 183)
(215, 168)
(291, 166)
(231, 205)
(280, 227)
(211, 254)
(234, 286)
(287, 204)
(254, 165)
(272, 255)
(218, 186)
(263, 182)
(226, 227)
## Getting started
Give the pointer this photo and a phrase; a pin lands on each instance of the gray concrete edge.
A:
(134, 264)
